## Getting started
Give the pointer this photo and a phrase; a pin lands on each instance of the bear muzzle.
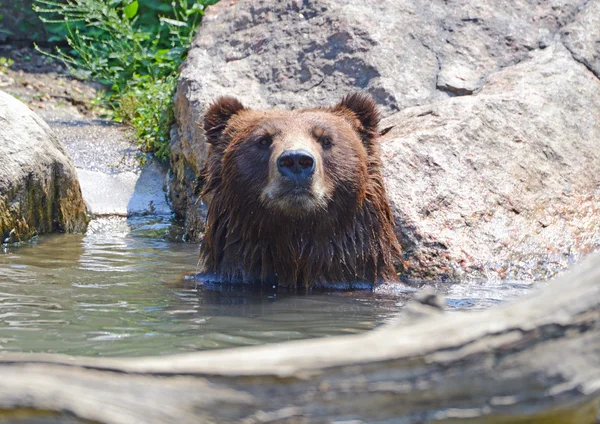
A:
(297, 167)
(296, 183)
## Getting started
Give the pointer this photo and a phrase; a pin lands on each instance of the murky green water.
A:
(122, 290)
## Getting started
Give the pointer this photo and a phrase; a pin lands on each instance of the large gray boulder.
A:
(505, 183)
(39, 191)
(458, 59)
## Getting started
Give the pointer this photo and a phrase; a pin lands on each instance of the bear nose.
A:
(297, 165)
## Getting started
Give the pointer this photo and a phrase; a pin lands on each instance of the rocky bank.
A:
(107, 160)
(493, 162)
(104, 153)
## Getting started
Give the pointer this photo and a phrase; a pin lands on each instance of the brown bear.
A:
(296, 197)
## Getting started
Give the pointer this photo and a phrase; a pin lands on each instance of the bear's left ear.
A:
(365, 110)
(217, 116)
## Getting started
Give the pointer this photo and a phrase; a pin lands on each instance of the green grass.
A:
(135, 49)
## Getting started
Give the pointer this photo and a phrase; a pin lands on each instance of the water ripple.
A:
(122, 291)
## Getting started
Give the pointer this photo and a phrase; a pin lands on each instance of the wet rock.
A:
(39, 191)
(293, 54)
(504, 183)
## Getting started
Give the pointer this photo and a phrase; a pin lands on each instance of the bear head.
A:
(294, 162)
(290, 182)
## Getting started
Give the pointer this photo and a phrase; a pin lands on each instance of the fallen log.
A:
(536, 360)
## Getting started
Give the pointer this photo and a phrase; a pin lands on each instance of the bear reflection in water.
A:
(296, 198)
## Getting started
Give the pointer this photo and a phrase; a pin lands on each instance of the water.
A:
(124, 289)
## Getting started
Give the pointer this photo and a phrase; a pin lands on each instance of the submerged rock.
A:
(39, 191)
(492, 164)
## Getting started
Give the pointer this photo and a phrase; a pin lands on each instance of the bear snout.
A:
(297, 165)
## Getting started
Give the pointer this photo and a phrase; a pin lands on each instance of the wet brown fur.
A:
(350, 239)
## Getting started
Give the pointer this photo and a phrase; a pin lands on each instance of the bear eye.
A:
(265, 141)
(325, 141)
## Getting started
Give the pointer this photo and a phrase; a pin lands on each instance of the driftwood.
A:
(536, 360)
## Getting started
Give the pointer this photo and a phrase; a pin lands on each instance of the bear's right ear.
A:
(217, 116)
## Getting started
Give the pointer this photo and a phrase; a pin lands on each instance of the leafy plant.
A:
(6, 62)
(148, 107)
(135, 49)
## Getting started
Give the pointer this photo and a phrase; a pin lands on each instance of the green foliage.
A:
(148, 106)
(135, 48)
(5, 63)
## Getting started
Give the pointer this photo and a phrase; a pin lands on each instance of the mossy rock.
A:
(39, 190)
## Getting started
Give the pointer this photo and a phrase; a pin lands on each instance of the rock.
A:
(458, 80)
(126, 193)
(39, 191)
(294, 53)
(504, 183)
(582, 36)
(105, 155)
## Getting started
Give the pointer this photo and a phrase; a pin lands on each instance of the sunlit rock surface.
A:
(504, 183)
